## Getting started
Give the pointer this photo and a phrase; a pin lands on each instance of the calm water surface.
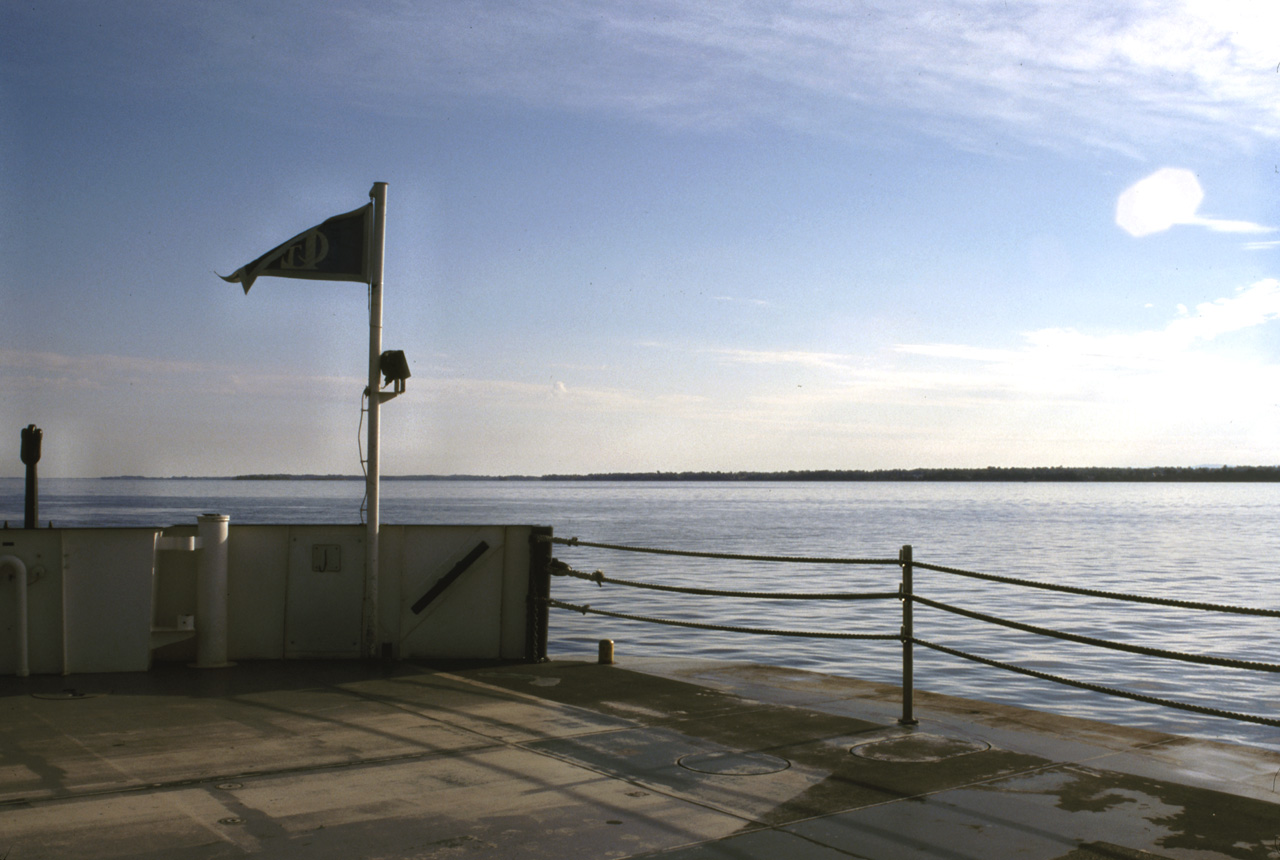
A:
(1210, 542)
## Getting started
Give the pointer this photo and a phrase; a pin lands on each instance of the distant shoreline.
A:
(1037, 474)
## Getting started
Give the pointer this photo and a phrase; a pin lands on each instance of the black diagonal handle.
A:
(448, 579)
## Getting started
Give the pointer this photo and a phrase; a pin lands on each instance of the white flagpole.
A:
(369, 625)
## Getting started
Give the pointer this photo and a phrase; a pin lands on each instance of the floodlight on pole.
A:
(395, 370)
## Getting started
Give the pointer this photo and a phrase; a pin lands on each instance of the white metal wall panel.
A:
(257, 591)
(325, 591)
(107, 582)
(465, 621)
(293, 592)
(390, 581)
(515, 590)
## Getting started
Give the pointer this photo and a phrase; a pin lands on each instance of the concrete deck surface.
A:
(684, 760)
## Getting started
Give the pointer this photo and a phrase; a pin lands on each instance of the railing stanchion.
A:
(908, 636)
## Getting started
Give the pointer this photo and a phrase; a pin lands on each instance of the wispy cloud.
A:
(1051, 363)
(52, 372)
(558, 397)
(1103, 76)
(960, 351)
(1055, 74)
(761, 303)
(1064, 354)
(1189, 391)
(830, 360)
(1224, 225)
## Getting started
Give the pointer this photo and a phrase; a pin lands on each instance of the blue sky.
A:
(645, 236)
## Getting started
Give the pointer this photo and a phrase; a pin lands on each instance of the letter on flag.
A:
(337, 250)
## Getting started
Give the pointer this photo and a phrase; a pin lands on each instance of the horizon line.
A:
(943, 473)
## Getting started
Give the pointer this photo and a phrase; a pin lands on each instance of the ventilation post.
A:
(31, 438)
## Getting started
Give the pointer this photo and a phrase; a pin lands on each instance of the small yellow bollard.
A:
(606, 652)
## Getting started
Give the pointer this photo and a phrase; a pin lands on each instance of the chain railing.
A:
(906, 634)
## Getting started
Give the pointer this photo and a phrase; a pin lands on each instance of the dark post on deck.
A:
(536, 608)
(908, 636)
(31, 436)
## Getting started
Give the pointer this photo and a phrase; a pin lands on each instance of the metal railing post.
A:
(908, 635)
(536, 607)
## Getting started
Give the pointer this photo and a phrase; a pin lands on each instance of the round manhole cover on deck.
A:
(919, 747)
(733, 764)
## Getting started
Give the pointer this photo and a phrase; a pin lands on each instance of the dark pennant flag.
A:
(337, 250)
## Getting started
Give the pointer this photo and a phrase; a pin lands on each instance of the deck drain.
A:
(919, 747)
(231, 821)
(229, 786)
(66, 695)
(733, 764)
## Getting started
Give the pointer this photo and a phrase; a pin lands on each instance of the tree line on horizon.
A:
(989, 473)
(1065, 474)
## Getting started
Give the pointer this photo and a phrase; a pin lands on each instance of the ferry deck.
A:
(678, 759)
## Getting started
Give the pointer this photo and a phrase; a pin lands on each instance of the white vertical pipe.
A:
(211, 592)
(20, 582)
(369, 614)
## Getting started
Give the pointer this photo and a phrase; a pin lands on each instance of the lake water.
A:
(1211, 542)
